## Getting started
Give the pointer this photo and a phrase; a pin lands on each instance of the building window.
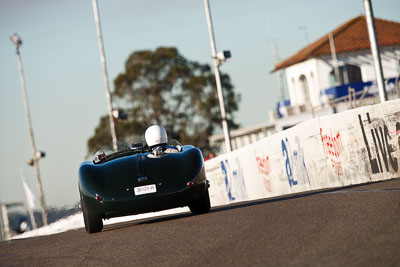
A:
(354, 73)
(347, 74)
(304, 88)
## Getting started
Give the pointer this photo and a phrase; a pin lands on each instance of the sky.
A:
(64, 79)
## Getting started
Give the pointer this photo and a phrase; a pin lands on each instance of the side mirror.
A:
(99, 157)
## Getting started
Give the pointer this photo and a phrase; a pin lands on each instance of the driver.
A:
(157, 139)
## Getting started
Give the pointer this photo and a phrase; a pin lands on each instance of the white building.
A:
(311, 70)
(332, 74)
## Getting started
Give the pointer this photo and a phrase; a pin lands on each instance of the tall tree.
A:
(163, 87)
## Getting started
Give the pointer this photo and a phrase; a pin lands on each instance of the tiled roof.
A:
(349, 37)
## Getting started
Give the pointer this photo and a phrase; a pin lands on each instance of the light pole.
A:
(308, 101)
(334, 59)
(304, 29)
(275, 58)
(369, 15)
(217, 60)
(106, 81)
(30, 199)
(36, 155)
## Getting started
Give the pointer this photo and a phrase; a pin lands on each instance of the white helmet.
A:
(156, 135)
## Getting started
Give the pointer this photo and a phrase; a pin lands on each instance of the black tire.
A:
(201, 205)
(93, 222)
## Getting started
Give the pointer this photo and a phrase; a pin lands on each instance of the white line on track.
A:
(363, 191)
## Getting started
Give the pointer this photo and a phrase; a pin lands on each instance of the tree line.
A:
(163, 87)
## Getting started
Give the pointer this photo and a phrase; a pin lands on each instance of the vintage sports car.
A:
(140, 179)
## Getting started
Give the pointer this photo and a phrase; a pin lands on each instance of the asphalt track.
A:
(356, 226)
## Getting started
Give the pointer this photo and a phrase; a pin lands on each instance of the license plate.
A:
(146, 189)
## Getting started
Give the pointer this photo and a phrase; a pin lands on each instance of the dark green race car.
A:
(139, 180)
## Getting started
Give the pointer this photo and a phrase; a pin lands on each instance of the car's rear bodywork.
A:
(141, 182)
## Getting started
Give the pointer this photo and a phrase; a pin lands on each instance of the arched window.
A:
(304, 88)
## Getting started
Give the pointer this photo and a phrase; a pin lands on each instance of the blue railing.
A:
(340, 92)
(343, 90)
(280, 105)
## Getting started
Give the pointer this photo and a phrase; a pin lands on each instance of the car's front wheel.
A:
(93, 222)
(201, 205)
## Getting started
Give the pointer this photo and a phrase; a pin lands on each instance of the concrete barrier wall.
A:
(356, 146)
